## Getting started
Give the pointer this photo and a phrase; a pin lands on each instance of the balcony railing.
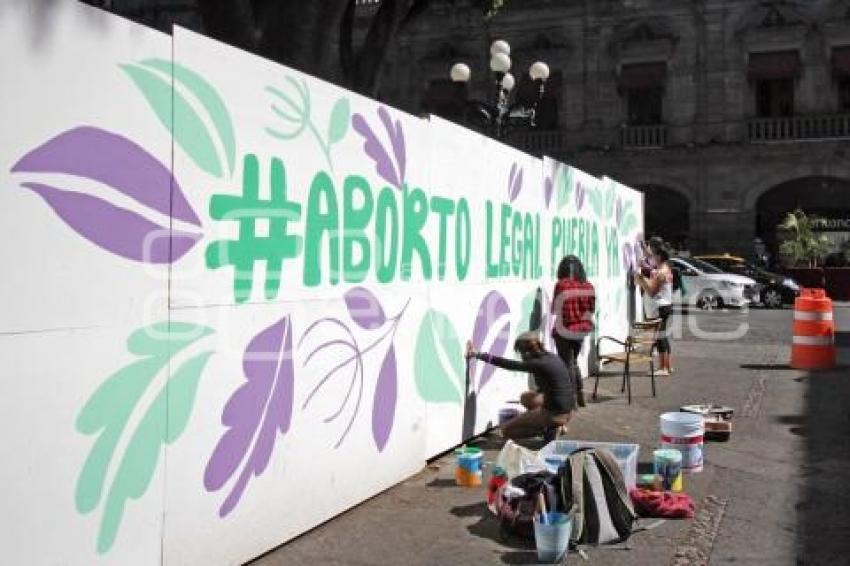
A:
(543, 142)
(643, 137)
(765, 130)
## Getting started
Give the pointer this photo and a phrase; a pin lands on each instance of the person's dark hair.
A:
(528, 345)
(571, 267)
(662, 252)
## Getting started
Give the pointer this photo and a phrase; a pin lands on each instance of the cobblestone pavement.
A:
(775, 494)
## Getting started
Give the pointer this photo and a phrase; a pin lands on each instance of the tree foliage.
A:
(318, 37)
(801, 244)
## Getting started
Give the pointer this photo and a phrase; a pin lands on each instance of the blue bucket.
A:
(552, 538)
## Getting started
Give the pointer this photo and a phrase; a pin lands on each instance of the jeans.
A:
(568, 350)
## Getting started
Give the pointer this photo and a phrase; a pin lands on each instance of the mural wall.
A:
(237, 296)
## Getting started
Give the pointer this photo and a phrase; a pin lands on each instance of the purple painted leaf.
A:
(364, 308)
(638, 254)
(516, 185)
(492, 307)
(511, 177)
(396, 140)
(547, 190)
(580, 193)
(498, 348)
(374, 149)
(115, 161)
(384, 403)
(116, 230)
(255, 413)
(628, 257)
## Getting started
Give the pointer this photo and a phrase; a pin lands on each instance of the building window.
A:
(841, 73)
(775, 98)
(642, 86)
(773, 75)
(644, 106)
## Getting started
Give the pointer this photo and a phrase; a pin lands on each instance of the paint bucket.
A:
(668, 468)
(468, 466)
(507, 414)
(552, 538)
(684, 432)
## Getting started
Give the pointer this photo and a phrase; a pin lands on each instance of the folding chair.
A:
(638, 348)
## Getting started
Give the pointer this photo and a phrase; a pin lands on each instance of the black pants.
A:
(663, 342)
(568, 350)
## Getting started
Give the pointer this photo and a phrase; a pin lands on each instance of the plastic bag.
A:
(515, 460)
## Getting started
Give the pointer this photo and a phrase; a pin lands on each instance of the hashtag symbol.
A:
(249, 248)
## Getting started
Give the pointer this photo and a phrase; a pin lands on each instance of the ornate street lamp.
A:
(502, 115)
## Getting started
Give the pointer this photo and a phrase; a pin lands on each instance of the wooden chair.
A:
(638, 348)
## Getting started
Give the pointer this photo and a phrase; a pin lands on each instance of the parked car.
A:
(707, 287)
(776, 289)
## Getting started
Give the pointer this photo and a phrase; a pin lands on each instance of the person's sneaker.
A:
(580, 399)
(662, 373)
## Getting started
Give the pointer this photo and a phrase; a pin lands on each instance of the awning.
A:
(841, 61)
(642, 76)
(774, 65)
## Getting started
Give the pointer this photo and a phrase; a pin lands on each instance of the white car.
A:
(709, 288)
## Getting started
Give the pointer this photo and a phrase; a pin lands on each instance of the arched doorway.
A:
(667, 214)
(827, 197)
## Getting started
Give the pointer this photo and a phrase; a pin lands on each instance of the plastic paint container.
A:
(468, 466)
(684, 432)
(668, 468)
(552, 538)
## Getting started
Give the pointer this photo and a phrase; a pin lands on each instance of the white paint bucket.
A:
(684, 432)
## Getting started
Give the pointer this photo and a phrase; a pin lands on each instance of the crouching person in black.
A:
(551, 408)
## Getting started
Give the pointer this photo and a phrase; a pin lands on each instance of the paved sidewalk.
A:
(776, 493)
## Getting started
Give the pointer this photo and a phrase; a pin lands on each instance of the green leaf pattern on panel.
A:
(185, 124)
(525, 309)
(294, 108)
(109, 409)
(594, 197)
(610, 199)
(340, 118)
(437, 344)
(564, 186)
(629, 222)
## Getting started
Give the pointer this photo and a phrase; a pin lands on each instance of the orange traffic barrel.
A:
(813, 345)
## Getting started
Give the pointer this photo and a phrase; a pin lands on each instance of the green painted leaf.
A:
(340, 118)
(108, 411)
(564, 186)
(594, 197)
(525, 309)
(629, 223)
(610, 199)
(188, 129)
(437, 341)
(209, 99)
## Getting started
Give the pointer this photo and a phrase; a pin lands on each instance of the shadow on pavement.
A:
(822, 516)
(441, 482)
(766, 366)
(525, 557)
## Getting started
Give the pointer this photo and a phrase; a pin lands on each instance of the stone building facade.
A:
(727, 113)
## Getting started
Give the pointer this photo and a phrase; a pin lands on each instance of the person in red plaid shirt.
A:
(573, 305)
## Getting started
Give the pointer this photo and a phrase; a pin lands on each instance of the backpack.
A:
(594, 493)
(517, 503)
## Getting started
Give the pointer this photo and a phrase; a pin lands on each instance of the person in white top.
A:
(659, 286)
